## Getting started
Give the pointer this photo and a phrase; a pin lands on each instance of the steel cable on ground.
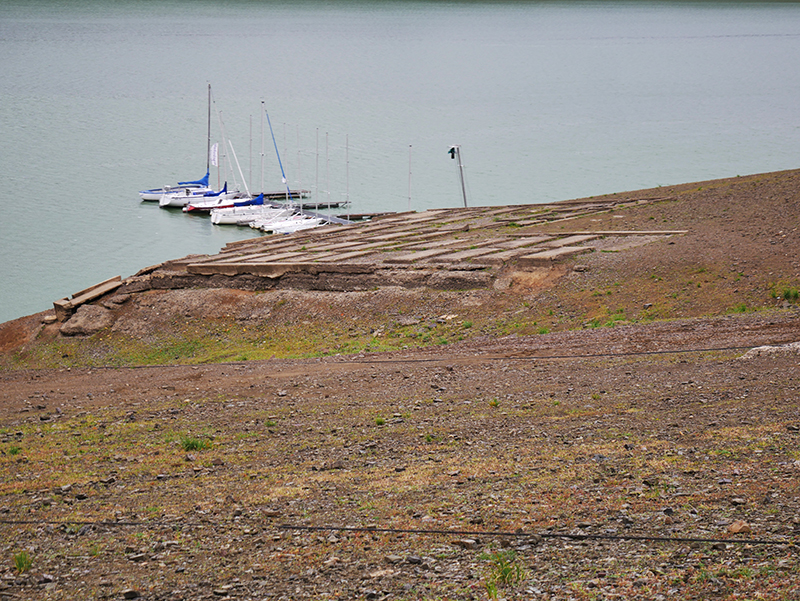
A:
(453, 358)
(557, 357)
(633, 537)
(420, 531)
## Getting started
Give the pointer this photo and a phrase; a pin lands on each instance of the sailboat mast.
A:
(299, 172)
(208, 150)
(251, 151)
(327, 166)
(262, 146)
(285, 154)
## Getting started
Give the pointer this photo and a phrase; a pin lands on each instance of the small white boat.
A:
(248, 214)
(155, 194)
(216, 200)
(292, 226)
(208, 204)
(294, 223)
(183, 197)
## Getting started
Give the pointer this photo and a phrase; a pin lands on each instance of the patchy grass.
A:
(22, 561)
(192, 443)
(537, 448)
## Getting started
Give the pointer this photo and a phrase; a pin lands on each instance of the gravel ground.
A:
(656, 459)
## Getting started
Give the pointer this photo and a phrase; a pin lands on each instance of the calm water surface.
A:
(548, 101)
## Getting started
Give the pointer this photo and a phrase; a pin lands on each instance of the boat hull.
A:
(223, 201)
(293, 224)
(155, 194)
(247, 215)
(182, 198)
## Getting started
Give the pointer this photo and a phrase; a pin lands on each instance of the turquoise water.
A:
(548, 100)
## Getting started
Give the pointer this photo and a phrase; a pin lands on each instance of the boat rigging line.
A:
(283, 173)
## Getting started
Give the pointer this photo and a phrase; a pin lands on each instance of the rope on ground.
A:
(556, 357)
(634, 537)
(109, 523)
(371, 529)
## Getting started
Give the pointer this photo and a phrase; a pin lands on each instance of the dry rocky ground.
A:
(625, 430)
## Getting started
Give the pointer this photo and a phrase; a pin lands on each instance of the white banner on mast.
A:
(214, 154)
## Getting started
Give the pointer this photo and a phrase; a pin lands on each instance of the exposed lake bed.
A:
(626, 402)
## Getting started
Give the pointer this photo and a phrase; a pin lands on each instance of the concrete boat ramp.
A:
(459, 248)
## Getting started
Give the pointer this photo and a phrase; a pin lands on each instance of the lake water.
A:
(548, 100)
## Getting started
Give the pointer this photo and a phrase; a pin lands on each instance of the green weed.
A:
(504, 571)
(785, 292)
(22, 561)
(192, 443)
(739, 308)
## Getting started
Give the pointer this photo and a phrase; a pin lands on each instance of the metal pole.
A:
(263, 110)
(289, 197)
(299, 173)
(409, 177)
(250, 176)
(208, 151)
(327, 166)
(461, 172)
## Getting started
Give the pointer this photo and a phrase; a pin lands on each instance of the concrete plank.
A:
(346, 256)
(548, 257)
(464, 255)
(568, 241)
(413, 257)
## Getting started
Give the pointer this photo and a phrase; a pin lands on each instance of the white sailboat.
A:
(296, 220)
(188, 188)
(155, 194)
(288, 225)
(215, 200)
(249, 214)
(181, 198)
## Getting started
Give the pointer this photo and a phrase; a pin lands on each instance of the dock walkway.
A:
(458, 248)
